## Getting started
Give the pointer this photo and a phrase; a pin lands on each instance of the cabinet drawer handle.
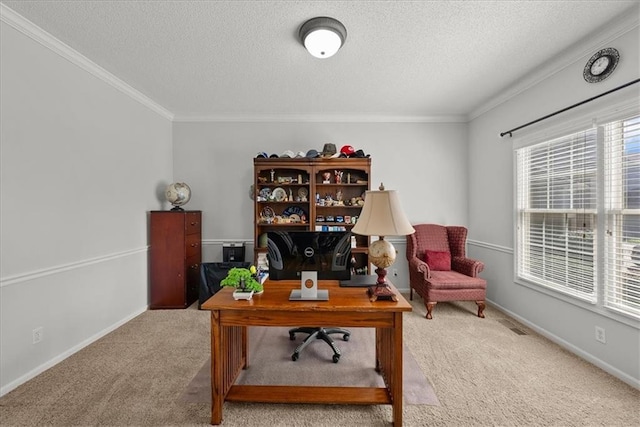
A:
(194, 245)
(194, 267)
(194, 223)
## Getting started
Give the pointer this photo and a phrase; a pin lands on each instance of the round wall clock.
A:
(601, 65)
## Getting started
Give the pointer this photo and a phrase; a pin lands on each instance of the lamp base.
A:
(381, 290)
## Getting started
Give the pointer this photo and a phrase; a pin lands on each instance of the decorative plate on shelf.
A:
(267, 212)
(279, 195)
(303, 192)
(297, 211)
(265, 193)
(295, 218)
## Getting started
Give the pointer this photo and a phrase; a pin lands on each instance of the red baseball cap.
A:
(347, 150)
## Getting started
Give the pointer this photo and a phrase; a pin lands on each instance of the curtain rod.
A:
(509, 132)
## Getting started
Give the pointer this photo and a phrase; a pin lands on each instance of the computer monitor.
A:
(326, 252)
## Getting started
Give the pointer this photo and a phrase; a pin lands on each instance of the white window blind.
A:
(622, 209)
(557, 207)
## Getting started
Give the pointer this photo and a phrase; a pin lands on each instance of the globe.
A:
(178, 194)
(382, 253)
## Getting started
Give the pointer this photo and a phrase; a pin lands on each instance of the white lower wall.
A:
(82, 163)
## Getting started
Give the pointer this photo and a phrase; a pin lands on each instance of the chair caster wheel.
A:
(295, 356)
(336, 358)
(292, 337)
(346, 337)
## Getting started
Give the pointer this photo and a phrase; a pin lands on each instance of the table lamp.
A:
(382, 216)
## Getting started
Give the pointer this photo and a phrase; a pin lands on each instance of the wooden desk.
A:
(347, 307)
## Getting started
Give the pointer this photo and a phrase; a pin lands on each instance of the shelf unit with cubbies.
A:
(310, 194)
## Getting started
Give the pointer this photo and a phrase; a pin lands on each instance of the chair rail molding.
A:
(492, 246)
(31, 275)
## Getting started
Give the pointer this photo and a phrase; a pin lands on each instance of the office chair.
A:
(321, 334)
(341, 254)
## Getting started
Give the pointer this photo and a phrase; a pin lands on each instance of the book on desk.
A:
(359, 281)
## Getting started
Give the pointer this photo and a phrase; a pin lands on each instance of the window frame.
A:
(558, 238)
(556, 128)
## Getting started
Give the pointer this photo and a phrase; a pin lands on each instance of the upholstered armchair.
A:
(439, 269)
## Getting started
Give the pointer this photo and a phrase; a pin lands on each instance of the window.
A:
(622, 211)
(562, 187)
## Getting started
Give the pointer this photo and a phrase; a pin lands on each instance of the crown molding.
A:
(575, 53)
(313, 118)
(28, 28)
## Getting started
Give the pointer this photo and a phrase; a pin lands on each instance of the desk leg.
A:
(217, 395)
(245, 344)
(379, 349)
(396, 371)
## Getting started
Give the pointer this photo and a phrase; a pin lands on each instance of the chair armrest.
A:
(467, 266)
(419, 266)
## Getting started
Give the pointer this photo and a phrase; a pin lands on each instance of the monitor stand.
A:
(321, 295)
(309, 289)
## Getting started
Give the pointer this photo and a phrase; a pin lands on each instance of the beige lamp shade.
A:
(382, 215)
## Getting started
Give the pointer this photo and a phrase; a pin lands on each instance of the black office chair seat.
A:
(321, 334)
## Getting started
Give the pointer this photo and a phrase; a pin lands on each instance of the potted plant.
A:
(245, 280)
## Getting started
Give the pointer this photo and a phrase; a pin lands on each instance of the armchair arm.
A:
(467, 266)
(417, 266)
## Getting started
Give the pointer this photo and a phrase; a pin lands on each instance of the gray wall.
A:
(491, 202)
(425, 162)
(81, 165)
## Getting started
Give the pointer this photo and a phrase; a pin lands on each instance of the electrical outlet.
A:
(600, 336)
(395, 272)
(38, 334)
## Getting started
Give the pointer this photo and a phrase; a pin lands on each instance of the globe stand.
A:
(177, 208)
(381, 290)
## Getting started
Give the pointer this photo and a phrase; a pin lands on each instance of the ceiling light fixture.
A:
(323, 36)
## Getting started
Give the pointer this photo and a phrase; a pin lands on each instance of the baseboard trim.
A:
(52, 362)
(633, 382)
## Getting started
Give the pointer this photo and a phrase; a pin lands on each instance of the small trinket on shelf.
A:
(338, 176)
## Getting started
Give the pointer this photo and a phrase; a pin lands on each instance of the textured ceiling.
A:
(216, 59)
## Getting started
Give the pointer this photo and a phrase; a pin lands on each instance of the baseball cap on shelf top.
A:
(288, 154)
(312, 154)
(359, 154)
(300, 154)
(329, 150)
(347, 150)
(262, 154)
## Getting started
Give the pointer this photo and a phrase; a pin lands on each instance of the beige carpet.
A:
(270, 363)
(483, 373)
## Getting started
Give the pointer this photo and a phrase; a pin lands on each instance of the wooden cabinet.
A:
(310, 194)
(175, 256)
